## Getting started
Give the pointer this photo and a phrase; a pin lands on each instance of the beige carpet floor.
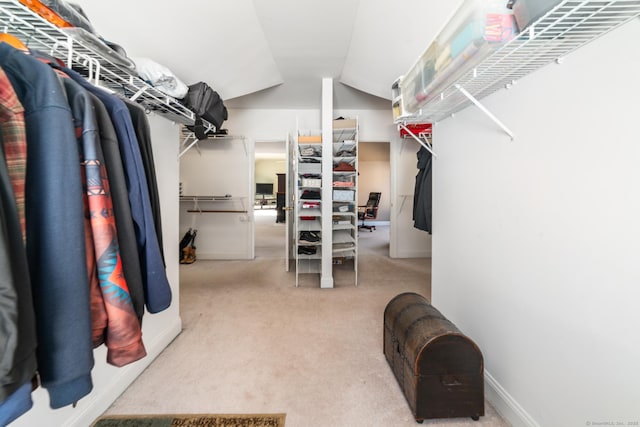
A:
(254, 343)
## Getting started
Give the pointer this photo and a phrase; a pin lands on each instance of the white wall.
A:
(406, 240)
(218, 168)
(374, 175)
(267, 170)
(536, 241)
(158, 329)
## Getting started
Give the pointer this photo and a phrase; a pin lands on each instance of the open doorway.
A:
(374, 167)
(269, 231)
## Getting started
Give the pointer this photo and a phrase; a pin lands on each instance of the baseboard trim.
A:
(101, 401)
(506, 405)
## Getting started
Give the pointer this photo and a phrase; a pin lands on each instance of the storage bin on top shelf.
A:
(477, 29)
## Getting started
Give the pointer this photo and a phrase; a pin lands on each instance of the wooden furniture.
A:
(281, 195)
(439, 370)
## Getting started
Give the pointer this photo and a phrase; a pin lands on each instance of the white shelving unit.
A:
(101, 70)
(335, 220)
(308, 202)
(565, 28)
(345, 193)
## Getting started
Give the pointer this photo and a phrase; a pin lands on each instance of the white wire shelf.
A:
(337, 227)
(567, 27)
(37, 33)
(341, 237)
(310, 212)
(309, 225)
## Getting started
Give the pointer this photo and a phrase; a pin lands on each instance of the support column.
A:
(326, 279)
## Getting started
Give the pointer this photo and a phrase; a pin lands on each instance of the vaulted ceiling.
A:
(274, 53)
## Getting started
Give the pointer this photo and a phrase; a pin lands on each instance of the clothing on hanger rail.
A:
(55, 230)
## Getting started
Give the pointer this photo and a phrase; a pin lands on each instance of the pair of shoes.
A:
(344, 167)
(188, 255)
(309, 237)
(307, 250)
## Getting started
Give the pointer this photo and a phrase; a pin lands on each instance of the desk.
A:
(268, 202)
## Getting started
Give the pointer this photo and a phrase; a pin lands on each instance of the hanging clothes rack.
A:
(196, 200)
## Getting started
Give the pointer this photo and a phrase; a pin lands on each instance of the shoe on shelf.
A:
(307, 250)
(309, 237)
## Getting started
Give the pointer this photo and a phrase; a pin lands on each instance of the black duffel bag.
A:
(206, 103)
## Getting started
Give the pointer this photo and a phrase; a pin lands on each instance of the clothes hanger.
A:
(13, 41)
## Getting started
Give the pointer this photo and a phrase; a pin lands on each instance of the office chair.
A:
(369, 211)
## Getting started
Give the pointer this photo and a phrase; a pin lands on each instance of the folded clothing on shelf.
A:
(309, 139)
(311, 182)
(345, 153)
(60, 13)
(344, 195)
(344, 167)
(91, 40)
(341, 220)
(310, 205)
(310, 151)
(311, 194)
(160, 77)
(309, 160)
(527, 12)
(72, 20)
(341, 208)
(343, 181)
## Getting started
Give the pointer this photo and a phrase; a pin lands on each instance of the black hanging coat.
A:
(422, 195)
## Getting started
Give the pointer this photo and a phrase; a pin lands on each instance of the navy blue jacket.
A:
(55, 230)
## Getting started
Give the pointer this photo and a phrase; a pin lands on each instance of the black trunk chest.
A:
(440, 370)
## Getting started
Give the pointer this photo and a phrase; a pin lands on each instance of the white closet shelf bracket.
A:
(186, 141)
(424, 143)
(138, 93)
(191, 136)
(485, 110)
